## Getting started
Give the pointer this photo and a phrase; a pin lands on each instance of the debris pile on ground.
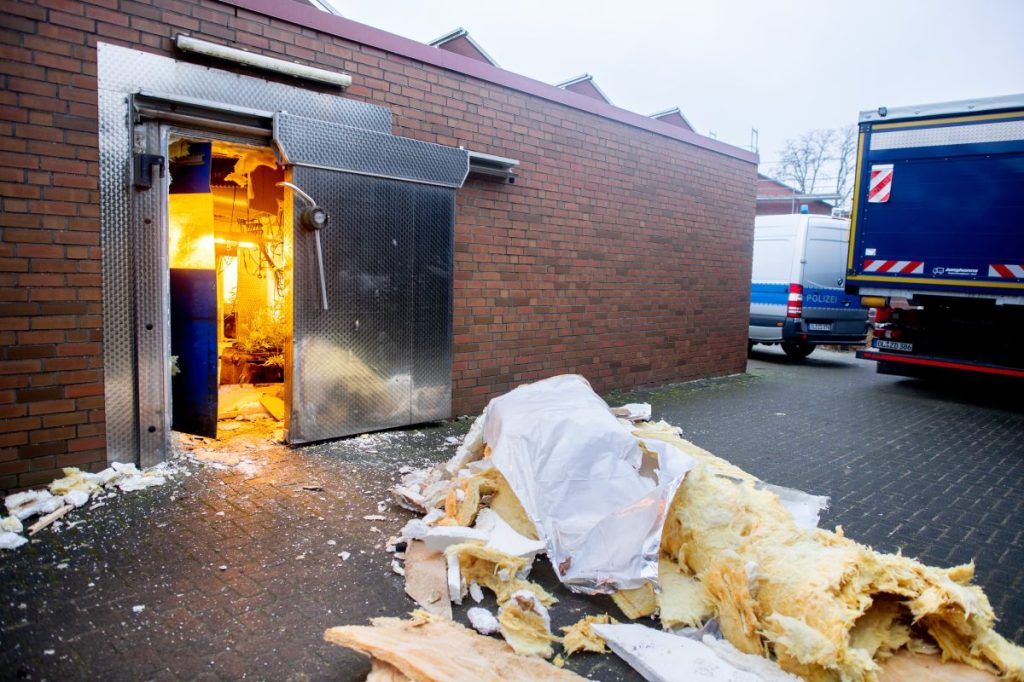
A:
(422, 648)
(670, 531)
(71, 491)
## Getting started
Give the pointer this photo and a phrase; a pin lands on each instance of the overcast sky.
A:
(781, 66)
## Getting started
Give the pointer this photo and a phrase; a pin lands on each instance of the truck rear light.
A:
(795, 302)
(882, 315)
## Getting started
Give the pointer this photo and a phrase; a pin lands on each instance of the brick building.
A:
(621, 251)
(778, 198)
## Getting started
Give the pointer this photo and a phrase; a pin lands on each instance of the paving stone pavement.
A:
(237, 565)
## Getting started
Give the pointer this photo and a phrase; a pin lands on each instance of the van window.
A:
(773, 259)
(826, 256)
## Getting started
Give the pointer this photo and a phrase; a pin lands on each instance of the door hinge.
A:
(143, 169)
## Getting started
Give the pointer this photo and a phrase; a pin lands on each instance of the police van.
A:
(797, 297)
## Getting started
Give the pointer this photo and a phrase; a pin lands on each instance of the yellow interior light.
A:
(190, 231)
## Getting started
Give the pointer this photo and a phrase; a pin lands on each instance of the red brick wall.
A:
(766, 187)
(788, 207)
(619, 253)
(51, 362)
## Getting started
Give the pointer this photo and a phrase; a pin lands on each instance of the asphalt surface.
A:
(240, 565)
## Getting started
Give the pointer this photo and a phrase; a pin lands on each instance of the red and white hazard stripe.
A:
(1006, 271)
(880, 186)
(901, 267)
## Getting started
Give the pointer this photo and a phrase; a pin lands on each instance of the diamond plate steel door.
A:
(380, 354)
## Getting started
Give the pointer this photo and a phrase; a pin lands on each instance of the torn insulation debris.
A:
(736, 568)
(70, 492)
(526, 625)
(420, 649)
(580, 636)
(426, 579)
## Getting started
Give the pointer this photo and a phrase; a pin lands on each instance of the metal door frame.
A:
(151, 292)
(136, 373)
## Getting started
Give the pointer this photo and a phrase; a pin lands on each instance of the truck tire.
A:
(797, 349)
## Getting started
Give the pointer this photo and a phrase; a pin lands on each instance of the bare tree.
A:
(846, 158)
(820, 162)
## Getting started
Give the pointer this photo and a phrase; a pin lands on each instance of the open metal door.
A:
(372, 304)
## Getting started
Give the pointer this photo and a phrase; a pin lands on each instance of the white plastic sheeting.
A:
(582, 480)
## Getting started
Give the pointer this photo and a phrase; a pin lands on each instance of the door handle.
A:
(314, 219)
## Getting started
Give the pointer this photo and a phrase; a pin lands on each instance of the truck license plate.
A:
(820, 327)
(882, 344)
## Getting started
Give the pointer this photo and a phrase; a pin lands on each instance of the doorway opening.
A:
(230, 276)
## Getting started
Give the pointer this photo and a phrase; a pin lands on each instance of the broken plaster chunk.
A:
(483, 621)
(396, 566)
(32, 502)
(663, 657)
(75, 479)
(415, 529)
(140, 482)
(472, 447)
(475, 592)
(139, 608)
(76, 498)
(766, 669)
(526, 625)
(504, 538)
(11, 540)
(11, 524)
(433, 516)
(437, 539)
(454, 575)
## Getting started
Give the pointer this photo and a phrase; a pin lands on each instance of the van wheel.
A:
(797, 349)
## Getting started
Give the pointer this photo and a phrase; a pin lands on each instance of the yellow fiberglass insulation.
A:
(825, 606)
(495, 570)
(581, 637)
(468, 494)
(526, 626)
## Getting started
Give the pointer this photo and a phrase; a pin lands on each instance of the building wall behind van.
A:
(620, 254)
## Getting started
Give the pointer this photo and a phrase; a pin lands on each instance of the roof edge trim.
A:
(309, 17)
